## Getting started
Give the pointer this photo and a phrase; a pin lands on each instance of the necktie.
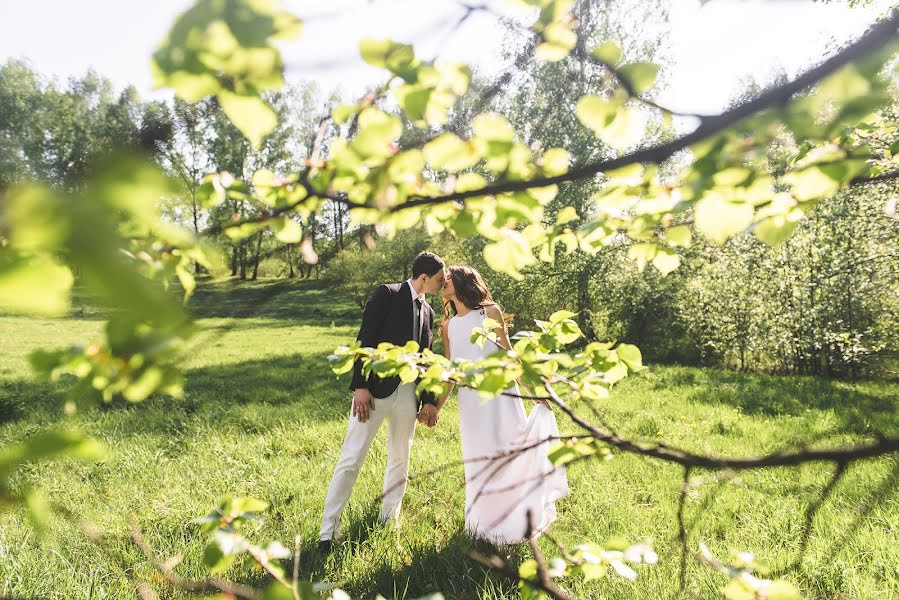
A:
(416, 320)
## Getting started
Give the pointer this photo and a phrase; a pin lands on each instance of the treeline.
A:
(824, 302)
(57, 134)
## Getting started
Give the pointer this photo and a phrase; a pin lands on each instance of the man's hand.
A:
(363, 402)
(428, 415)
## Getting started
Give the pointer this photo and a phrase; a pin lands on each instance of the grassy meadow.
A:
(263, 416)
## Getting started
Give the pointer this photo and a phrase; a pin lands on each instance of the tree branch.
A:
(206, 585)
(689, 459)
(877, 36)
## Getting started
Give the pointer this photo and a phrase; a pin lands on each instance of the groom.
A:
(395, 313)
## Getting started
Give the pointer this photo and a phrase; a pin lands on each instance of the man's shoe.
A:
(325, 546)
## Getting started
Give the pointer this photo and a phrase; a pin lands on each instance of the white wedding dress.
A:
(500, 490)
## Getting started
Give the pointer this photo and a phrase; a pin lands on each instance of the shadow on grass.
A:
(299, 302)
(292, 387)
(860, 408)
(448, 569)
(425, 568)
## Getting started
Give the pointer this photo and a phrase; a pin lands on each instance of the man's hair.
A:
(427, 263)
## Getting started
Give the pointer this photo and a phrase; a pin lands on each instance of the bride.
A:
(507, 472)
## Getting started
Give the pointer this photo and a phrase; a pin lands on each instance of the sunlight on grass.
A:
(263, 416)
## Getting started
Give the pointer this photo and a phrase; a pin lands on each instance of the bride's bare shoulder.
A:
(494, 312)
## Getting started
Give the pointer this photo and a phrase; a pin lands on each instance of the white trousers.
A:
(400, 409)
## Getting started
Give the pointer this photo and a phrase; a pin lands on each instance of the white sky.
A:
(715, 45)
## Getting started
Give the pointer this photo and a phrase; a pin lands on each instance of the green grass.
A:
(263, 416)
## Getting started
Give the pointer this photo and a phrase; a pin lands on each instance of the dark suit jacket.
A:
(388, 318)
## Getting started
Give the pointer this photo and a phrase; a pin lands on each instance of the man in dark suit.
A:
(395, 313)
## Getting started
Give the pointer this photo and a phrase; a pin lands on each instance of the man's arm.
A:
(373, 316)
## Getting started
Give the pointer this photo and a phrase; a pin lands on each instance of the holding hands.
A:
(428, 415)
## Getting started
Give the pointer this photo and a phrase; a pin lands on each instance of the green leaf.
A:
(608, 52)
(216, 560)
(34, 285)
(226, 49)
(556, 161)
(406, 167)
(245, 230)
(595, 112)
(625, 130)
(720, 219)
(449, 153)
(679, 236)
(566, 215)
(616, 373)
(781, 590)
(489, 323)
(666, 260)
(32, 213)
(51, 444)
(343, 112)
(528, 569)
(377, 133)
(812, 182)
(774, 230)
(565, 452)
(279, 591)
(561, 315)
(552, 52)
(250, 114)
(493, 127)
(145, 384)
(894, 148)
(737, 589)
(567, 332)
(386, 54)
(560, 35)
(39, 510)
(615, 124)
(631, 356)
(733, 176)
(640, 75)
(375, 52)
(287, 231)
(593, 571)
(642, 253)
(510, 254)
(414, 100)
(246, 504)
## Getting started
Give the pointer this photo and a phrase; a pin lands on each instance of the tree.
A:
(491, 182)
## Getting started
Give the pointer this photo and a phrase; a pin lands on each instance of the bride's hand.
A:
(529, 392)
(544, 403)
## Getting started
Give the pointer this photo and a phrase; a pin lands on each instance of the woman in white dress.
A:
(507, 472)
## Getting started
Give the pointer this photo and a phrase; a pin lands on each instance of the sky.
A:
(716, 45)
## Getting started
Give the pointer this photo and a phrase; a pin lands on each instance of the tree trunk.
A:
(256, 260)
(243, 261)
(193, 195)
(291, 275)
(583, 303)
(233, 260)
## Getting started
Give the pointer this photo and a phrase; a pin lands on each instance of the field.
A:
(263, 416)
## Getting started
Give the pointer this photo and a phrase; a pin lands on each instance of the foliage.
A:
(486, 179)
